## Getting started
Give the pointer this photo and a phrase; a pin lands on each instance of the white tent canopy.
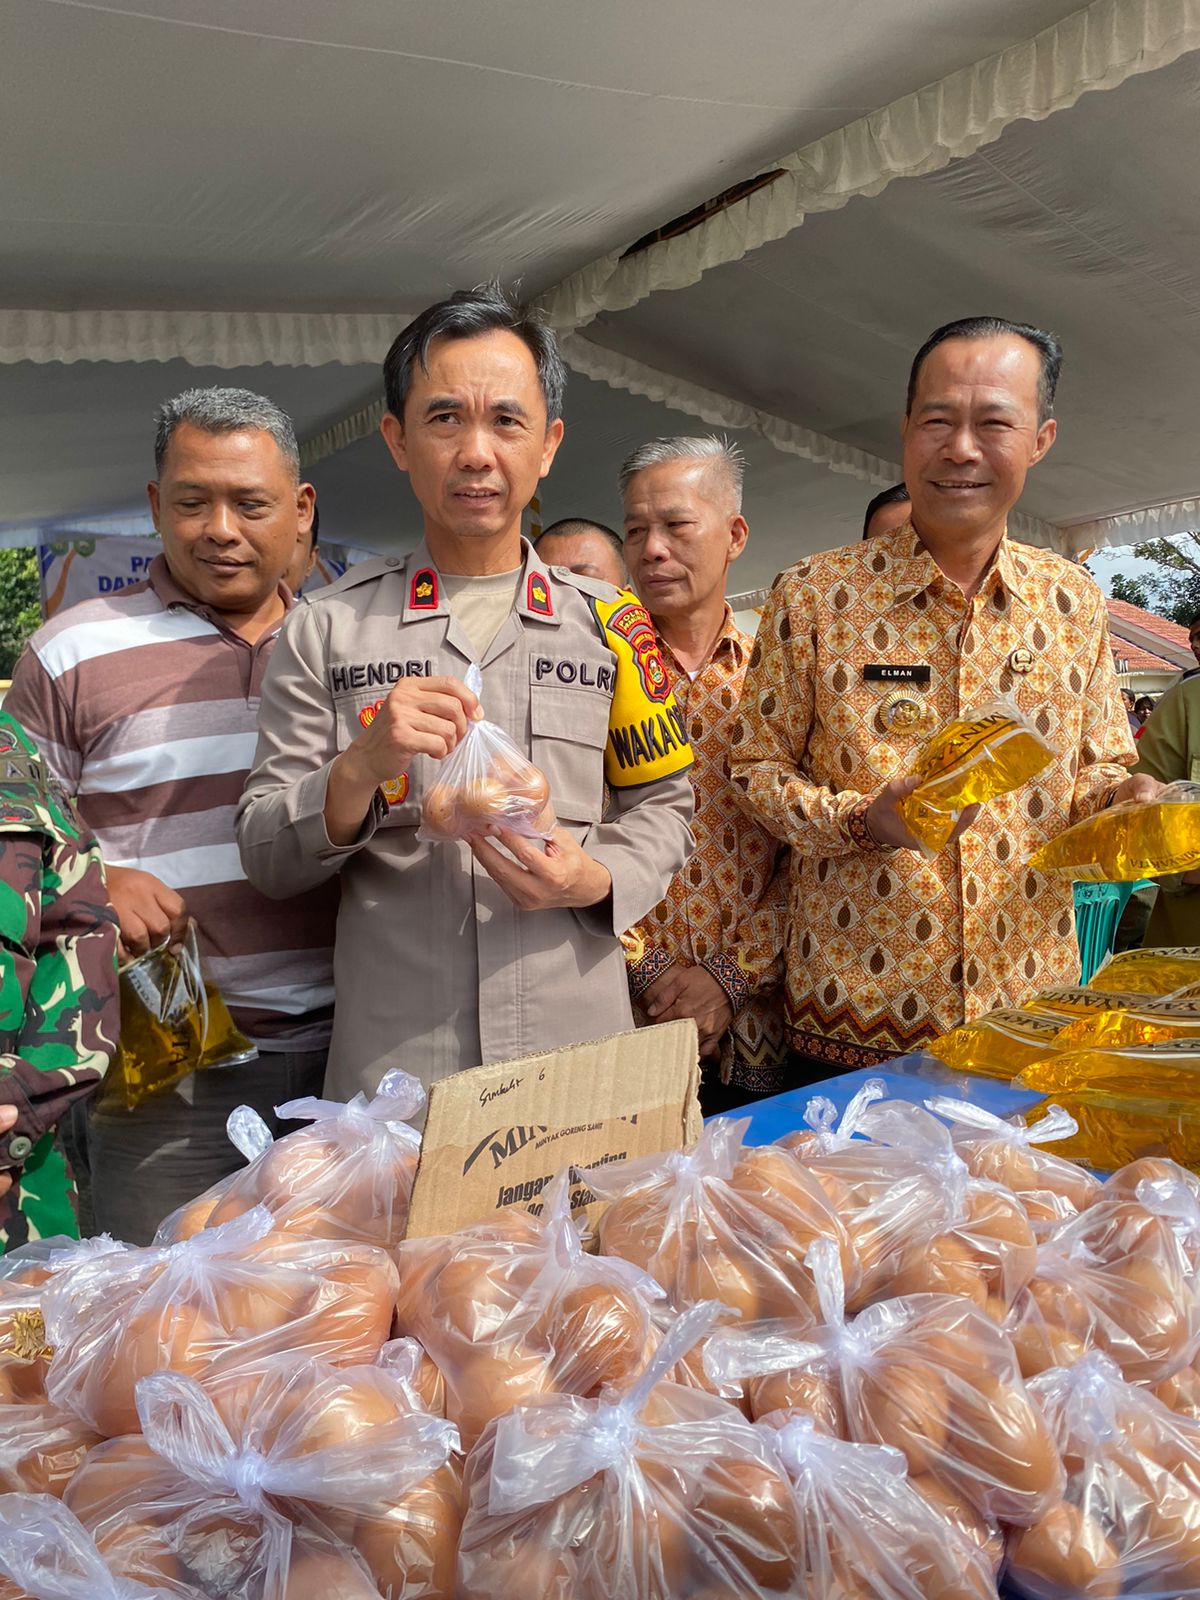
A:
(260, 191)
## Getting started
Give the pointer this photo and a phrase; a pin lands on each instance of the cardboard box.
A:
(495, 1136)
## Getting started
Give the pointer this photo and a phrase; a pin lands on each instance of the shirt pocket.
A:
(569, 729)
(406, 792)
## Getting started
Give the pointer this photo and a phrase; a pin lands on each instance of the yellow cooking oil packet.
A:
(999, 1045)
(174, 1021)
(1170, 1066)
(1075, 1000)
(1129, 841)
(973, 759)
(1165, 970)
(1150, 1022)
(1115, 1128)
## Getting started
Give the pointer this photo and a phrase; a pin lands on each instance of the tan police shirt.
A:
(435, 968)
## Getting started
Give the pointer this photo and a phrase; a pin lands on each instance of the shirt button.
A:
(19, 1147)
(392, 561)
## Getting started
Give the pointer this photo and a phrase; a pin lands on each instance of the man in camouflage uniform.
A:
(59, 1014)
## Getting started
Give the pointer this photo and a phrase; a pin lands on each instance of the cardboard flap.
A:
(495, 1136)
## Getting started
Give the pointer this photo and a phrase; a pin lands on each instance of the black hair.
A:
(1144, 700)
(895, 496)
(313, 531)
(1047, 345)
(465, 315)
(584, 525)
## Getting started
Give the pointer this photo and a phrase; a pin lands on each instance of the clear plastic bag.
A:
(890, 1203)
(1006, 1151)
(977, 1242)
(226, 1298)
(348, 1176)
(1125, 842)
(232, 1512)
(974, 759)
(24, 1276)
(486, 781)
(515, 1308)
(47, 1554)
(173, 1022)
(1119, 1278)
(662, 1493)
(927, 1374)
(864, 1530)
(721, 1222)
(1130, 1519)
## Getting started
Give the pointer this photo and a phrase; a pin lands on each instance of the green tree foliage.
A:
(1173, 592)
(20, 604)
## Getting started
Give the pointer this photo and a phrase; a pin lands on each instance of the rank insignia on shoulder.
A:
(537, 596)
(423, 594)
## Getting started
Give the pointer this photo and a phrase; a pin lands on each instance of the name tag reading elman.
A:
(882, 672)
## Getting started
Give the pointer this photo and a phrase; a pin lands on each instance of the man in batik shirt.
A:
(59, 1014)
(862, 653)
(713, 947)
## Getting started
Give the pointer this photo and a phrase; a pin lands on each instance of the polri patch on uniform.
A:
(423, 594)
(887, 672)
(633, 623)
(537, 596)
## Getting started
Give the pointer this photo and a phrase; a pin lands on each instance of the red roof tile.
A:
(1138, 660)
(1121, 611)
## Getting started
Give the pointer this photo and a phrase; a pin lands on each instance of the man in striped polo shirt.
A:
(145, 703)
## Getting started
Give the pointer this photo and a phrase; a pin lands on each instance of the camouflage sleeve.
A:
(59, 1013)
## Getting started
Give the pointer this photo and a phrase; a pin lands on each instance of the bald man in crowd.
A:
(585, 547)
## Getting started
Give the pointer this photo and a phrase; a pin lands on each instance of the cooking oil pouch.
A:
(1116, 1128)
(1075, 1001)
(1169, 1067)
(1171, 969)
(174, 1021)
(999, 1045)
(971, 760)
(1152, 1021)
(1128, 841)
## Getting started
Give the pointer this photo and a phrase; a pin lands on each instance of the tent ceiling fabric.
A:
(367, 156)
(261, 191)
(1076, 223)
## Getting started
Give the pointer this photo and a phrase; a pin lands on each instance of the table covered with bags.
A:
(902, 1348)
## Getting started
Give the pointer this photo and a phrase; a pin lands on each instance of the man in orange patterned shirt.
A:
(713, 948)
(863, 653)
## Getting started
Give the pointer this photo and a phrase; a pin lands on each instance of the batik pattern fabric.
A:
(886, 949)
(726, 909)
(59, 1012)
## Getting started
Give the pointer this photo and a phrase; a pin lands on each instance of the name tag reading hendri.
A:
(881, 672)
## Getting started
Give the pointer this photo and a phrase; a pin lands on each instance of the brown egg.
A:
(1066, 1552)
(742, 1284)
(356, 1302)
(632, 1228)
(326, 1575)
(193, 1218)
(1181, 1393)
(1040, 1345)
(1123, 1183)
(493, 1383)
(903, 1403)
(747, 1512)
(998, 1230)
(178, 1335)
(814, 1393)
(439, 813)
(430, 1386)
(141, 1551)
(943, 1265)
(22, 1383)
(962, 1516)
(320, 1416)
(1029, 1172)
(598, 1335)
(412, 1550)
(1000, 1453)
(1169, 1534)
(780, 1186)
(481, 1291)
(41, 1449)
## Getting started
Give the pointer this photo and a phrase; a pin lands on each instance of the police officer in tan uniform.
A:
(451, 954)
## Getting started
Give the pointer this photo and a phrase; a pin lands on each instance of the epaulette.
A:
(596, 588)
(363, 572)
